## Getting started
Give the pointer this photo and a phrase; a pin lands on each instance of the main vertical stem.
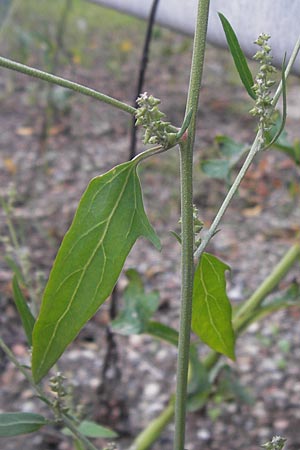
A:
(187, 260)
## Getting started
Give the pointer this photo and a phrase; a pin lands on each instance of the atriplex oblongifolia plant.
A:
(93, 253)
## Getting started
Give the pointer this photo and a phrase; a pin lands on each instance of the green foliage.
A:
(199, 385)
(27, 318)
(13, 424)
(211, 319)
(230, 388)
(238, 56)
(109, 219)
(138, 309)
(93, 430)
(282, 143)
(231, 152)
(163, 332)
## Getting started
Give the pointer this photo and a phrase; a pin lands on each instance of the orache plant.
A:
(110, 218)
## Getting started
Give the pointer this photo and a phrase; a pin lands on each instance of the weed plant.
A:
(110, 218)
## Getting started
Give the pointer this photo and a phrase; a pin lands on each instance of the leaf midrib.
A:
(84, 269)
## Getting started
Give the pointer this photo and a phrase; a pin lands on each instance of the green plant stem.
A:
(187, 260)
(150, 434)
(240, 323)
(11, 229)
(255, 148)
(66, 419)
(50, 78)
(244, 313)
(288, 69)
(69, 423)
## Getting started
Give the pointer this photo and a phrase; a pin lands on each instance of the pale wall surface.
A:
(279, 18)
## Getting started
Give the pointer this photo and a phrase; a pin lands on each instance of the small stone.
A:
(281, 424)
(204, 434)
(151, 390)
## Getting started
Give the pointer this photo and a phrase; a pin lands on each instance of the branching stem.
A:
(255, 148)
(50, 78)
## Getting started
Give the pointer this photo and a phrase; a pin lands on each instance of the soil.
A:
(88, 138)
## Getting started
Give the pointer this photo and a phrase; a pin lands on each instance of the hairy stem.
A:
(187, 260)
(50, 78)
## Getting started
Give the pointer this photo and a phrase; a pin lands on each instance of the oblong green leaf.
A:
(238, 56)
(93, 430)
(163, 332)
(216, 168)
(22, 306)
(211, 316)
(13, 424)
(109, 219)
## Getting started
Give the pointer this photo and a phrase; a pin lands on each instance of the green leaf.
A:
(230, 148)
(216, 168)
(231, 152)
(139, 307)
(199, 385)
(282, 143)
(211, 316)
(230, 388)
(15, 269)
(27, 318)
(163, 332)
(93, 430)
(12, 424)
(238, 56)
(109, 219)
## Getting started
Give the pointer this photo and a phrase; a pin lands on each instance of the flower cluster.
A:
(277, 443)
(263, 108)
(58, 388)
(150, 117)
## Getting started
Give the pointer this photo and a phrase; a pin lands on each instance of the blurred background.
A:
(53, 141)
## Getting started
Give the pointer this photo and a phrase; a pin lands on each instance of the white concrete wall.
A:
(279, 18)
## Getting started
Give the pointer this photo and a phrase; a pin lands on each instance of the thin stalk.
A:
(244, 313)
(66, 419)
(50, 78)
(11, 228)
(253, 151)
(187, 260)
(69, 423)
(150, 434)
(256, 147)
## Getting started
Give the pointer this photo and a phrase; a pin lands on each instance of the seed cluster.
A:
(277, 443)
(150, 117)
(263, 108)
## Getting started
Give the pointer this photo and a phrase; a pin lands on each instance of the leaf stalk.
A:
(50, 78)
